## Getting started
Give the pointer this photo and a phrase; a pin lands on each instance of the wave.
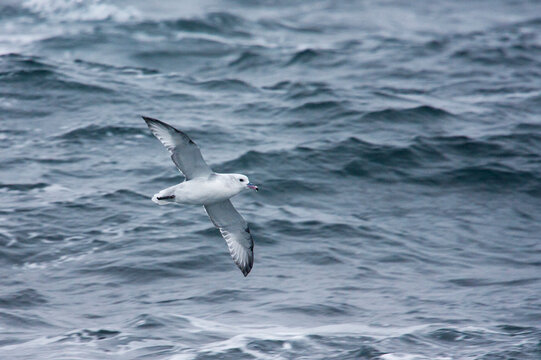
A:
(316, 57)
(301, 90)
(347, 341)
(124, 195)
(315, 257)
(508, 44)
(44, 160)
(119, 69)
(40, 79)
(22, 299)
(27, 72)
(341, 340)
(315, 309)
(97, 132)
(137, 273)
(319, 229)
(188, 47)
(416, 114)
(250, 60)
(496, 56)
(273, 24)
(321, 106)
(216, 23)
(10, 11)
(221, 296)
(23, 320)
(477, 282)
(485, 176)
(147, 321)
(455, 160)
(24, 187)
(23, 61)
(87, 335)
(74, 10)
(320, 113)
(226, 85)
(304, 56)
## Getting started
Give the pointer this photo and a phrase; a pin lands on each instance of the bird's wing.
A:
(236, 233)
(184, 152)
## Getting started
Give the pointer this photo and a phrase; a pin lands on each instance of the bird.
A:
(203, 186)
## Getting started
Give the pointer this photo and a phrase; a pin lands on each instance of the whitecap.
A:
(78, 10)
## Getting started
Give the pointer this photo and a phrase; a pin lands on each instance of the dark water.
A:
(397, 146)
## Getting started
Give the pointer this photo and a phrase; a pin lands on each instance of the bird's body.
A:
(207, 188)
(200, 191)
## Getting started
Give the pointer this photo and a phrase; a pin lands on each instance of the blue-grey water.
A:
(397, 146)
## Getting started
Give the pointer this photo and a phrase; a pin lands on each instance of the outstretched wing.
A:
(236, 233)
(184, 152)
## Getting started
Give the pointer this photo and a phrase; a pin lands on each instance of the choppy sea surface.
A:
(397, 146)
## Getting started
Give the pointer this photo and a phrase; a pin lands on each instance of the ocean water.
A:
(396, 144)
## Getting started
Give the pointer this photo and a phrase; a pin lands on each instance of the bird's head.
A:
(243, 182)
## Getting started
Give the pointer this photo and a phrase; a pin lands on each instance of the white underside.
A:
(198, 191)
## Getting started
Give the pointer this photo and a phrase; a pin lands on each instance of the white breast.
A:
(203, 191)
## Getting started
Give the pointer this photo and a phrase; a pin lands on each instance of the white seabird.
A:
(207, 188)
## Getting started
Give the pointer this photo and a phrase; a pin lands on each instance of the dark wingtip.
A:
(248, 267)
(149, 120)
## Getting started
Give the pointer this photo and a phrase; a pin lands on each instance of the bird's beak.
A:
(252, 186)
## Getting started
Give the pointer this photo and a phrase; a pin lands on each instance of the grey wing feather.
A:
(184, 152)
(236, 233)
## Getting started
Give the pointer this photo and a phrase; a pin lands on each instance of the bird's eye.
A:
(241, 180)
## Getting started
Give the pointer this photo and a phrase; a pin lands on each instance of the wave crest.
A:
(75, 10)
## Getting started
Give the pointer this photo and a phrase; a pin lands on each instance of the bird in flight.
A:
(205, 187)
